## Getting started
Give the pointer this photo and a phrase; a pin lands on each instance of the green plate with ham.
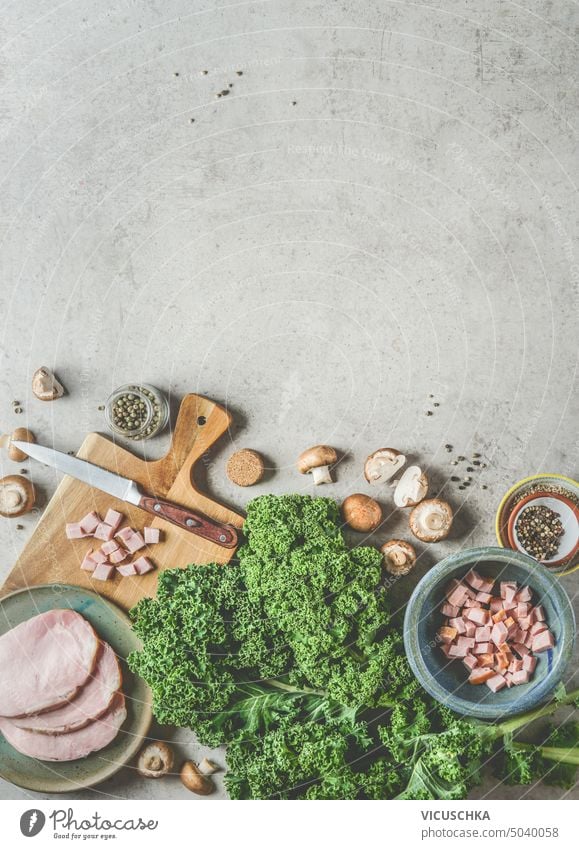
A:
(113, 626)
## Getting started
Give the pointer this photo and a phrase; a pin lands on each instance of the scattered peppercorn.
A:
(101, 407)
(454, 478)
(204, 73)
(19, 527)
(469, 469)
(454, 462)
(539, 530)
(484, 486)
(476, 455)
(191, 120)
(239, 73)
(429, 412)
(17, 410)
(436, 404)
(476, 462)
(15, 403)
(461, 486)
(460, 458)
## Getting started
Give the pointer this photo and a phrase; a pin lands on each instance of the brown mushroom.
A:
(245, 467)
(399, 556)
(17, 496)
(318, 460)
(382, 465)
(155, 760)
(361, 512)
(20, 434)
(431, 520)
(411, 488)
(45, 385)
(194, 780)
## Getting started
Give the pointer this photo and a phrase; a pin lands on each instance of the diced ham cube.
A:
(458, 624)
(499, 633)
(486, 660)
(447, 634)
(487, 584)
(113, 518)
(539, 613)
(529, 641)
(519, 636)
(99, 556)
(537, 627)
(510, 605)
(499, 615)
(466, 642)
(518, 665)
(124, 534)
(118, 556)
(510, 624)
(501, 662)
(479, 582)
(110, 546)
(496, 604)
(443, 646)
(508, 590)
(525, 594)
(143, 565)
(543, 641)
(485, 598)
(447, 609)
(104, 532)
(496, 683)
(470, 628)
(88, 564)
(90, 522)
(525, 623)
(480, 676)
(457, 651)
(482, 648)
(478, 615)
(471, 602)
(135, 542)
(523, 608)
(529, 662)
(521, 649)
(74, 531)
(470, 662)
(521, 677)
(103, 572)
(483, 634)
(509, 679)
(127, 570)
(153, 535)
(456, 593)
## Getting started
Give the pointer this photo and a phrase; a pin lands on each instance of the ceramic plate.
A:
(114, 627)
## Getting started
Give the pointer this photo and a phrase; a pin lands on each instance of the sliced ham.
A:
(93, 700)
(72, 746)
(45, 661)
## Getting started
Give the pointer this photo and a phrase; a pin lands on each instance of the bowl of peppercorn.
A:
(546, 527)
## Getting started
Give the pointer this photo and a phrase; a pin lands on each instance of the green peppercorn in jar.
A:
(137, 411)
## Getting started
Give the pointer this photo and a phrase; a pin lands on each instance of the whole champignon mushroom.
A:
(20, 434)
(156, 760)
(361, 512)
(194, 780)
(45, 385)
(382, 465)
(17, 496)
(399, 556)
(318, 460)
(411, 488)
(431, 520)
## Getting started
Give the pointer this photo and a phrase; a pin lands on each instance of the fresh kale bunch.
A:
(291, 658)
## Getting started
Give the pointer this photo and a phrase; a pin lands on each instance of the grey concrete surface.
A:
(378, 217)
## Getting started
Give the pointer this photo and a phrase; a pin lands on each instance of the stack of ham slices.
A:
(60, 688)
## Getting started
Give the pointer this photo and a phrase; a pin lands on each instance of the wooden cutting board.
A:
(49, 557)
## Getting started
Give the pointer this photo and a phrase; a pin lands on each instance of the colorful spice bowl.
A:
(544, 484)
(446, 680)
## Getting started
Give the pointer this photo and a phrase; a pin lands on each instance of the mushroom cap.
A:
(20, 434)
(193, 779)
(245, 467)
(431, 520)
(155, 760)
(17, 496)
(361, 512)
(411, 488)
(317, 455)
(382, 465)
(399, 556)
(45, 385)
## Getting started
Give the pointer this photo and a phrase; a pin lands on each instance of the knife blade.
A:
(125, 489)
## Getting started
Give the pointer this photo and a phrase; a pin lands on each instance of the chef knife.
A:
(128, 490)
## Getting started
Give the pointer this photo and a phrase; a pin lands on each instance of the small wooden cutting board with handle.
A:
(49, 557)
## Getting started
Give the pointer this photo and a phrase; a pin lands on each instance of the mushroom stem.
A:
(321, 475)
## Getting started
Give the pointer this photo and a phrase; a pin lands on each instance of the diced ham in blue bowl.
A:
(489, 632)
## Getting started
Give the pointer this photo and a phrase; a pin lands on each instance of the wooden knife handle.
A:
(195, 523)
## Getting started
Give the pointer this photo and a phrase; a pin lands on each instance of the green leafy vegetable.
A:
(290, 657)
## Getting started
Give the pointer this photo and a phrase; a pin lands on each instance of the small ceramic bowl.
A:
(446, 680)
(569, 516)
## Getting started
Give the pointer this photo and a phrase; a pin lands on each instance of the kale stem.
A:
(552, 753)
(511, 725)
(288, 688)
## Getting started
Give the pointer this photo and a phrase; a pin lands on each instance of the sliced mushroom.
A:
(361, 512)
(156, 760)
(318, 461)
(17, 496)
(431, 520)
(45, 385)
(20, 434)
(411, 488)
(194, 780)
(399, 556)
(382, 465)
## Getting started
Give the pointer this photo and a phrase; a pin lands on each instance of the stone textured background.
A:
(379, 216)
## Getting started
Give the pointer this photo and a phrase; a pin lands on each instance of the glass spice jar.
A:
(137, 411)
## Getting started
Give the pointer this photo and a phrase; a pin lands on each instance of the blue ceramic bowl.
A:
(447, 680)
